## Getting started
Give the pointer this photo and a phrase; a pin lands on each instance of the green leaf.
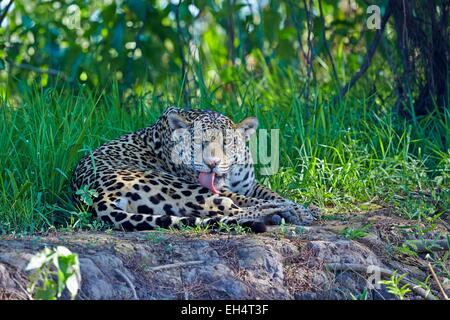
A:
(73, 285)
(27, 22)
(36, 262)
(47, 291)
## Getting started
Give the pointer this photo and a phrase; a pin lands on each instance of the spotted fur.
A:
(149, 178)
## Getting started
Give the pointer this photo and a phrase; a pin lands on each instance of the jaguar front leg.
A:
(296, 214)
(253, 213)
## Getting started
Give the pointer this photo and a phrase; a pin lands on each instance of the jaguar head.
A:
(204, 144)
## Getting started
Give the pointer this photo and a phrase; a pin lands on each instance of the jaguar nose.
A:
(212, 163)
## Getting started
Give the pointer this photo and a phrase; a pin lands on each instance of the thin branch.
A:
(327, 48)
(422, 246)
(21, 287)
(310, 53)
(361, 268)
(184, 88)
(3, 15)
(129, 283)
(370, 53)
(436, 279)
(51, 72)
(176, 265)
(230, 33)
(298, 31)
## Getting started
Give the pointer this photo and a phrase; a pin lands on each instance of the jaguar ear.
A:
(172, 109)
(177, 121)
(248, 126)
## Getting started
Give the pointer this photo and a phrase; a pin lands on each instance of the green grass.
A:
(340, 157)
(355, 233)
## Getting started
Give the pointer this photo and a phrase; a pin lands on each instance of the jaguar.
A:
(191, 167)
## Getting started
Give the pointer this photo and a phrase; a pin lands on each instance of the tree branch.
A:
(3, 15)
(230, 33)
(422, 246)
(176, 265)
(310, 53)
(298, 31)
(327, 48)
(184, 89)
(51, 72)
(129, 283)
(370, 53)
(436, 279)
(360, 268)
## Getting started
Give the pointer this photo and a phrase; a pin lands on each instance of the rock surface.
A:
(286, 263)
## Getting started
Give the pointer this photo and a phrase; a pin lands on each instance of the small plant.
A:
(84, 220)
(393, 285)
(53, 271)
(406, 250)
(232, 228)
(360, 296)
(154, 237)
(299, 230)
(196, 229)
(440, 262)
(354, 233)
(283, 227)
(425, 284)
(87, 195)
(98, 225)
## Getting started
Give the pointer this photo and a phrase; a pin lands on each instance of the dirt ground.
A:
(340, 257)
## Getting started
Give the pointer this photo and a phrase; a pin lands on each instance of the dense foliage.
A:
(144, 45)
(139, 40)
(361, 112)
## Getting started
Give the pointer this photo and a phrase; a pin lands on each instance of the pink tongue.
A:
(207, 180)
